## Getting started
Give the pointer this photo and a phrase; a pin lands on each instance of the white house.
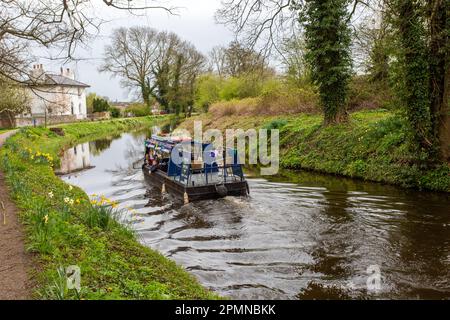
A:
(56, 96)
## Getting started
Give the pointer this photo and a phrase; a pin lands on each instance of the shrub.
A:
(138, 110)
(276, 98)
(100, 105)
(246, 106)
(207, 91)
(115, 112)
(246, 86)
(275, 124)
(364, 94)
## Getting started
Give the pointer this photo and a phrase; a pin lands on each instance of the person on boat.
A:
(148, 156)
(154, 162)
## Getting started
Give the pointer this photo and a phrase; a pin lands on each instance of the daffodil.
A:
(70, 188)
(66, 199)
(50, 194)
(46, 219)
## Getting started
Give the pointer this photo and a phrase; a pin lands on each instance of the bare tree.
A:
(61, 24)
(293, 59)
(131, 56)
(217, 60)
(159, 64)
(237, 60)
(264, 21)
(266, 24)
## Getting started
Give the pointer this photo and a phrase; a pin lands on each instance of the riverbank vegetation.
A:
(64, 227)
(372, 145)
(396, 66)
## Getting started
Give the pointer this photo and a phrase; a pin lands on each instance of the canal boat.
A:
(192, 178)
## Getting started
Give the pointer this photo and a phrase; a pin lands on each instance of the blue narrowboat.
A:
(198, 173)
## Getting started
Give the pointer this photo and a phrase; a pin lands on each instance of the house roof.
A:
(57, 80)
(63, 81)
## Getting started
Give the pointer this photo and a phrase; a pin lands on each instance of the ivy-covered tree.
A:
(439, 50)
(414, 70)
(423, 31)
(328, 52)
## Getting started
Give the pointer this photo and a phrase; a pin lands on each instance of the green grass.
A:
(372, 146)
(64, 227)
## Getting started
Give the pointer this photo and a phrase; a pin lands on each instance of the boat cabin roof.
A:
(166, 145)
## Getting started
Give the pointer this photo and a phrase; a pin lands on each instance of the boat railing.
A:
(209, 175)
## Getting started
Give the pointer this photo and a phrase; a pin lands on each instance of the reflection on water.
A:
(75, 159)
(298, 235)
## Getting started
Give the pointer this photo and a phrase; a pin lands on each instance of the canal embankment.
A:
(64, 228)
(372, 145)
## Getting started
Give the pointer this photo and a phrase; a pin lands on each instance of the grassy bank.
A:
(372, 146)
(64, 227)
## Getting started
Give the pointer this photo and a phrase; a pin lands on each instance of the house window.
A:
(79, 107)
(75, 150)
(72, 106)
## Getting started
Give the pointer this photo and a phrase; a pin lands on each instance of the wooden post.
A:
(4, 213)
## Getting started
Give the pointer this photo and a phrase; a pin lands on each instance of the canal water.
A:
(298, 236)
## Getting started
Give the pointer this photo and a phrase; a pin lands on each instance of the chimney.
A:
(68, 73)
(37, 72)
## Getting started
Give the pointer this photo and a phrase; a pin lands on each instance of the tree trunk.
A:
(340, 117)
(416, 61)
(145, 95)
(439, 75)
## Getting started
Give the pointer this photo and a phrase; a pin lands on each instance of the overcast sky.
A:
(194, 23)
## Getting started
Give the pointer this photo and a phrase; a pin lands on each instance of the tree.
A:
(13, 99)
(207, 91)
(374, 46)
(439, 49)
(100, 105)
(237, 60)
(60, 24)
(423, 35)
(90, 101)
(131, 57)
(294, 62)
(217, 60)
(328, 43)
(159, 64)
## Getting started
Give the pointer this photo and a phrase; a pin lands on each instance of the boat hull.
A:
(158, 178)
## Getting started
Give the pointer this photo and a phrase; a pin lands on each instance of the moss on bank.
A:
(63, 227)
(372, 146)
